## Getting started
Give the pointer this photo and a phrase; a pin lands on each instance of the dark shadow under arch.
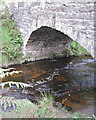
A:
(47, 41)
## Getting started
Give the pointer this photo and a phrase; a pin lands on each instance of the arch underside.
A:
(82, 37)
(47, 41)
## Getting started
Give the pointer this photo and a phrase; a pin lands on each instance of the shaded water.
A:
(69, 79)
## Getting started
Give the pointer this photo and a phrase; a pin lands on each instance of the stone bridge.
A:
(74, 18)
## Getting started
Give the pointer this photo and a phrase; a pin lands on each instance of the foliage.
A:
(67, 52)
(11, 53)
(23, 108)
(94, 117)
(6, 102)
(44, 103)
(15, 37)
(3, 74)
(28, 56)
(44, 108)
(52, 55)
(11, 39)
(18, 84)
(75, 50)
(4, 70)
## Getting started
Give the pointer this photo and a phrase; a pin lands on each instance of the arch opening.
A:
(47, 42)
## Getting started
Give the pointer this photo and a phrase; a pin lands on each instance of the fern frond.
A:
(22, 86)
(4, 70)
(10, 84)
(1, 102)
(13, 104)
(15, 83)
(9, 103)
(5, 105)
(6, 101)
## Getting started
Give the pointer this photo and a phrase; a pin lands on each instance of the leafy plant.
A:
(4, 70)
(24, 108)
(52, 55)
(67, 52)
(94, 117)
(11, 38)
(45, 106)
(11, 53)
(18, 84)
(16, 40)
(12, 102)
(3, 74)
(75, 50)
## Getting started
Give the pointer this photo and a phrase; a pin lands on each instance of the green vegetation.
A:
(6, 72)
(27, 109)
(16, 104)
(46, 107)
(28, 56)
(23, 108)
(11, 42)
(10, 52)
(10, 39)
(75, 50)
(18, 84)
(52, 55)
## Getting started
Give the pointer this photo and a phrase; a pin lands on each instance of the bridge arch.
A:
(75, 19)
(46, 42)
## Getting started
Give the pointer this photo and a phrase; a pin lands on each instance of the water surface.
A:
(69, 79)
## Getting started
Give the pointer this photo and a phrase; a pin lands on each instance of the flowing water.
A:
(71, 80)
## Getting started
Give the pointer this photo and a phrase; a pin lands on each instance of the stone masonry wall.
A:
(74, 18)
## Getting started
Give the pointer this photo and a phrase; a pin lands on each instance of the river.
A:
(69, 79)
